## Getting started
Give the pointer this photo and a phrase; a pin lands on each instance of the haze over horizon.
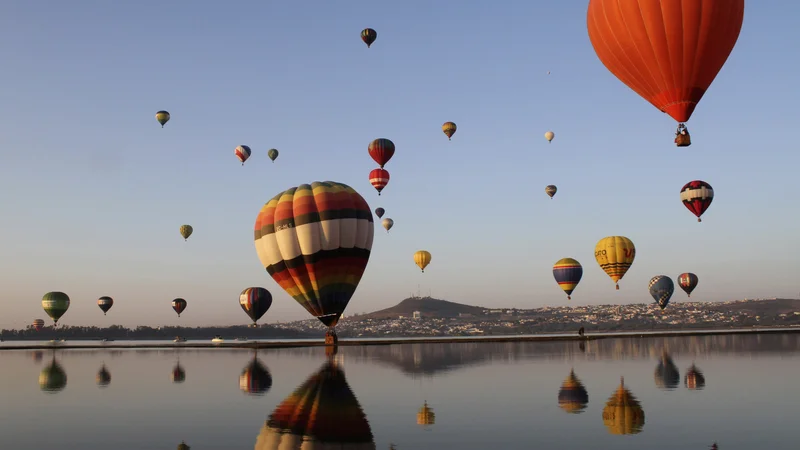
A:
(94, 190)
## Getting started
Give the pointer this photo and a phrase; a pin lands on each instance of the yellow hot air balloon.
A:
(162, 117)
(449, 128)
(549, 136)
(615, 255)
(623, 413)
(422, 258)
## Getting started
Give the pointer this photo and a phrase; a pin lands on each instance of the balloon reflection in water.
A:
(255, 378)
(623, 414)
(178, 374)
(322, 413)
(572, 397)
(103, 377)
(694, 378)
(667, 376)
(52, 378)
(425, 416)
(38, 355)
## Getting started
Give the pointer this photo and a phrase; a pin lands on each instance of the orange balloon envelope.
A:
(667, 51)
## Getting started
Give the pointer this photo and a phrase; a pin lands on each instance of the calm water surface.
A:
(742, 395)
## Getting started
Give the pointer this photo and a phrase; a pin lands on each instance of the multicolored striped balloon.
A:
(105, 303)
(315, 241)
(568, 273)
(242, 152)
(255, 301)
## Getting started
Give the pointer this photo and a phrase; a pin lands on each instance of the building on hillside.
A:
(417, 315)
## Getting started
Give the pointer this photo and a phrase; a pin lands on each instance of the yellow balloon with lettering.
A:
(422, 258)
(615, 254)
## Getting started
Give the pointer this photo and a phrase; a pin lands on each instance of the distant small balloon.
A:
(162, 117)
(387, 223)
(186, 231)
(242, 152)
(550, 190)
(379, 212)
(368, 35)
(273, 154)
(549, 136)
(449, 129)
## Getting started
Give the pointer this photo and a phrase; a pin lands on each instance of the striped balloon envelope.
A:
(697, 197)
(315, 241)
(568, 273)
(255, 301)
(242, 152)
(379, 178)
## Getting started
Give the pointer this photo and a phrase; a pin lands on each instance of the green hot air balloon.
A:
(55, 304)
(162, 117)
(273, 154)
(186, 231)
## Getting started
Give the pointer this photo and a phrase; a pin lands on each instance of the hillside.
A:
(429, 307)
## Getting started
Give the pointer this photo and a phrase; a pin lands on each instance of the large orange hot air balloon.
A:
(667, 51)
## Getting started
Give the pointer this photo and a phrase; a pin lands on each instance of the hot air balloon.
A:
(52, 378)
(615, 254)
(55, 304)
(255, 301)
(381, 150)
(322, 413)
(379, 178)
(379, 212)
(697, 197)
(623, 414)
(449, 128)
(103, 377)
(105, 303)
(694, 378)
(368, 35)
(426, 416)
(687, 281)
(242, 152)
(38, 324)
(422, 258)
(273, 154)
(661, 288)
(387, 223)
(572, 397)
(186, 231)
(549, 136)
(178, 374)
(255, 378)
(568, 273)
(315, 242)
(179, 305)
(550, 190)
(162, 117)
(666, 375)
(668, 52)
(183, 446)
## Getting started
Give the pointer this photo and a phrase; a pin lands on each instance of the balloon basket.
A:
(331, 339)
(682, 137)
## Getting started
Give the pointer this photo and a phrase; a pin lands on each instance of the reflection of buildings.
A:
(255, 378)
(433, 358)
(667, 375)
(52, 378)
(572, 397)
(694, 378)
(425, 416)
(323, 413)
(623, 414)
(178, 374)
(103, 377)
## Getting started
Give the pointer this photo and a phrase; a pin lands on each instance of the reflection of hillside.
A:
(430, 359)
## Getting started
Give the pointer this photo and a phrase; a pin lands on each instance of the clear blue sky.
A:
(93, 190)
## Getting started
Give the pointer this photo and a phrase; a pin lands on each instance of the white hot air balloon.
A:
(549, 136)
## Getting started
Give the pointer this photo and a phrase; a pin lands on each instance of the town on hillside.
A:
(430, 317)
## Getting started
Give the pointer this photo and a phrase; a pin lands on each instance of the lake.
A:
(682, 392)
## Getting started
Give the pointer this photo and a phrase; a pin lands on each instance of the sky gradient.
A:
(93, 189)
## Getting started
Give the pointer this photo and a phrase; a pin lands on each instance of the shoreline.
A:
(400, 340)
